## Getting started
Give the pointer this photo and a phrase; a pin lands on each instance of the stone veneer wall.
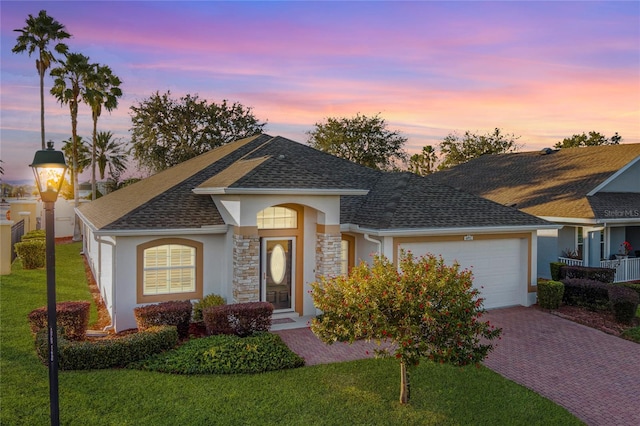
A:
(246, 268)
(328, 254)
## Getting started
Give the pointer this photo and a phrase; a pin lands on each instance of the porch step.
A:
(96, 333)
(289, 321)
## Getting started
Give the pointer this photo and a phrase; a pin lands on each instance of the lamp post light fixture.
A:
(49, 168)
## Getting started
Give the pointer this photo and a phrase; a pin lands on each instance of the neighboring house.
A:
(593, 192)
(263, 217)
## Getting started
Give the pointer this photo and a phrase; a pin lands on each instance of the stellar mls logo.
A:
(622, 213)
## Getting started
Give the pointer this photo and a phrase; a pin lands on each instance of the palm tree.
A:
(425, 162)
(82, 150)
(102, 90)
(83, 161)
(69, 83)
(36, 35)
(110, 154)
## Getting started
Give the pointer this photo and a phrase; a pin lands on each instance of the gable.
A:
(165, 200)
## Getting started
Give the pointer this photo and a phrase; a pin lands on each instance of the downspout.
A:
(377, 242)
(113, 277)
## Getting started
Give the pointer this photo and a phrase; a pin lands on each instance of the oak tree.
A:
(460, 149)
(591, 139)
(167, 131)
(360, 139)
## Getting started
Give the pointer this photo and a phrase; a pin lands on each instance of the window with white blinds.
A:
(169, 269)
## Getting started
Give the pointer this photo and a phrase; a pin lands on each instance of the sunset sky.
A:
(541, 70)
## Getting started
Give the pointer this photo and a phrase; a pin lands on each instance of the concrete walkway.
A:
(594, 375)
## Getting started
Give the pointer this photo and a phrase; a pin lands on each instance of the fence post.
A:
(5, 246)
(26, 216)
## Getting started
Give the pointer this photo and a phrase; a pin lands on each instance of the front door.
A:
(278, 272)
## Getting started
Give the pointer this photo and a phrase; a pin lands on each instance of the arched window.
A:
(277, 218)
(169, 268)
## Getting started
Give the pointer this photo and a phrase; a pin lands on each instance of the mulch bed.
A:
(104, 319)
(600, 320)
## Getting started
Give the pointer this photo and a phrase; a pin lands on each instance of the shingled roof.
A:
(548, 183)
(179, 198)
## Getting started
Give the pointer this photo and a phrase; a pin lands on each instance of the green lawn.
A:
(360, 392)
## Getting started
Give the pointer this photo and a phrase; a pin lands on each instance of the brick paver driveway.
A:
(594, 375)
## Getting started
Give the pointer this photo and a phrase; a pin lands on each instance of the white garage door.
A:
(499, 266)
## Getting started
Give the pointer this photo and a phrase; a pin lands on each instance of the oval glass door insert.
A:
(278, 264)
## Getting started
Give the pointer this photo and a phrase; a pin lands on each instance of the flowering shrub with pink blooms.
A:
(626, 247)
(421, 309)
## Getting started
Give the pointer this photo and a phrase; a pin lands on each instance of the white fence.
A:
(627, 269)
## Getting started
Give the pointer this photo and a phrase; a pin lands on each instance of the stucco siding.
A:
(215, 279)
(547, 249)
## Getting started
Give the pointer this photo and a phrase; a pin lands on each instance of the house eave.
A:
(570, 220)
(629, 221)
(205, 230)
(133, 232)
(420, 232)
(278, 191)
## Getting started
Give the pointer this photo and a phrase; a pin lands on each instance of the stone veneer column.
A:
(328, 253)
(246, 265)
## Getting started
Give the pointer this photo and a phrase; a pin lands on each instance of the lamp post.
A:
(49, 168)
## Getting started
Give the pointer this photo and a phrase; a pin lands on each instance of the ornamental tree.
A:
(420, 309)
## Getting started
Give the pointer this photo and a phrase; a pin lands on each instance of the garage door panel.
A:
(498, 266)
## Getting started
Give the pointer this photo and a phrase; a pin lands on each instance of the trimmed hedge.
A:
(550, 294)
(241, 319)
(108, 352)
(604, 275)
(624, 303)
(177, 313)
(72, 317)
(208, 300)
(32, 253)
(635, 286)
(225, 354)
(591, 294)
(36, 234)
(555, 270)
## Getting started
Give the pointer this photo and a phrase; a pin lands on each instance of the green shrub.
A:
(225, 354)
(624, 303)
(550, 294)
(632, 334)
(72, 317)
(555, 270)
(177, 313)
(209, 300)
(241, 319)
(108, 352)
(36, 234)
(32, 253)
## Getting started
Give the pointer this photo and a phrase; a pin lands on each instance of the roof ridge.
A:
(271, 139)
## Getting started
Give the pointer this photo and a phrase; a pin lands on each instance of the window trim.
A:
(154, 298)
